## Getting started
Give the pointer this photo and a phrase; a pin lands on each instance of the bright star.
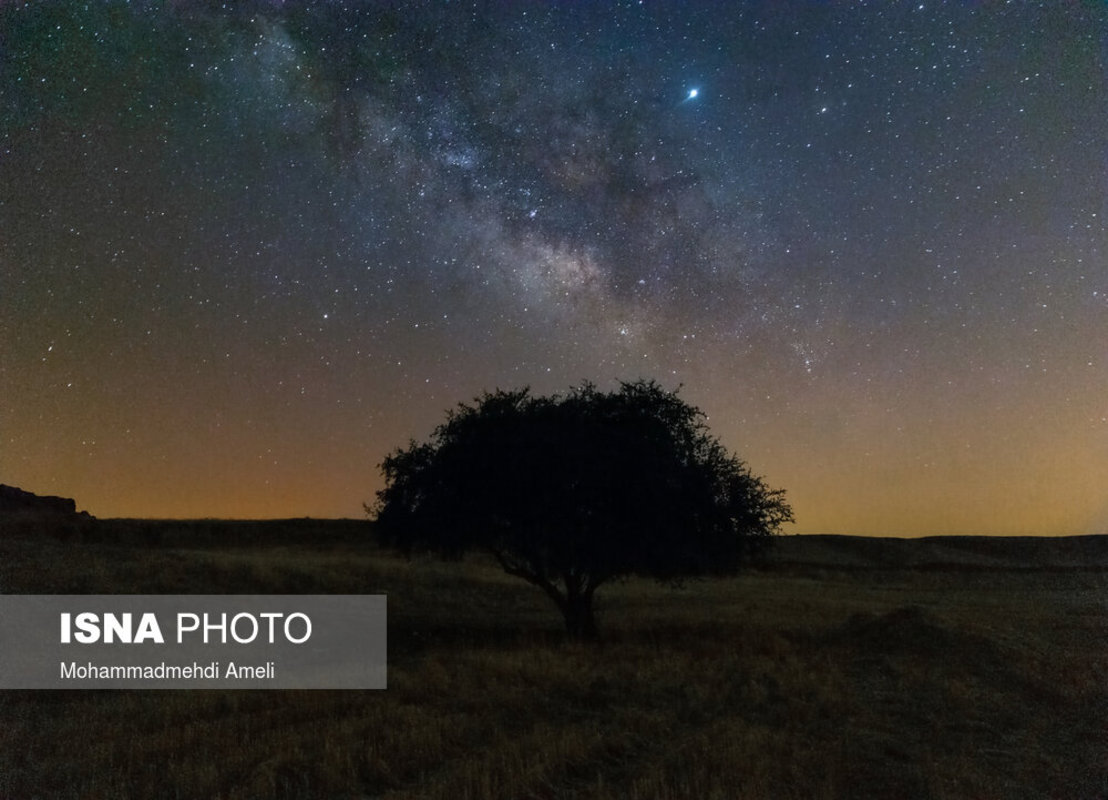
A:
(690, 95)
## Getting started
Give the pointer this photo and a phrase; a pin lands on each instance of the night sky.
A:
(246, 252)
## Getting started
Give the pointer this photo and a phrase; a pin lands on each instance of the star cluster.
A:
(245, 251)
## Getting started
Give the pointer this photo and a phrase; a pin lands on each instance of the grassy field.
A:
(840, 668)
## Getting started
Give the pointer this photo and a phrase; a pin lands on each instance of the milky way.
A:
(245, 253)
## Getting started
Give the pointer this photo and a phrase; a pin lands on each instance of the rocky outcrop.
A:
(17, 501)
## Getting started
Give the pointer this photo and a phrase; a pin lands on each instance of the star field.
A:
(247, 251)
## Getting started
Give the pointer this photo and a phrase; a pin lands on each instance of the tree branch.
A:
(531, 577)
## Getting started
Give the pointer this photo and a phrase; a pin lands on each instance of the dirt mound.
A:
(909, 630)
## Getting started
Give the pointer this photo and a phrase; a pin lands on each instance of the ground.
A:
(840, 667)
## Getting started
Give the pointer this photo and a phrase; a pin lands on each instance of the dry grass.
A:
(811, 678)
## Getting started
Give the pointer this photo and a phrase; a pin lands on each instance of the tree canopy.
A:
(571, 491)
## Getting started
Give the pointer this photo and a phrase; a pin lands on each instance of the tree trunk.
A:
(577, 610)
(575, 602)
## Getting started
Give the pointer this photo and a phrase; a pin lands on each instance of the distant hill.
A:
(940, 552)
(17, 501)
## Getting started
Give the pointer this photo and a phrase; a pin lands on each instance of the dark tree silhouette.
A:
(568, 492)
